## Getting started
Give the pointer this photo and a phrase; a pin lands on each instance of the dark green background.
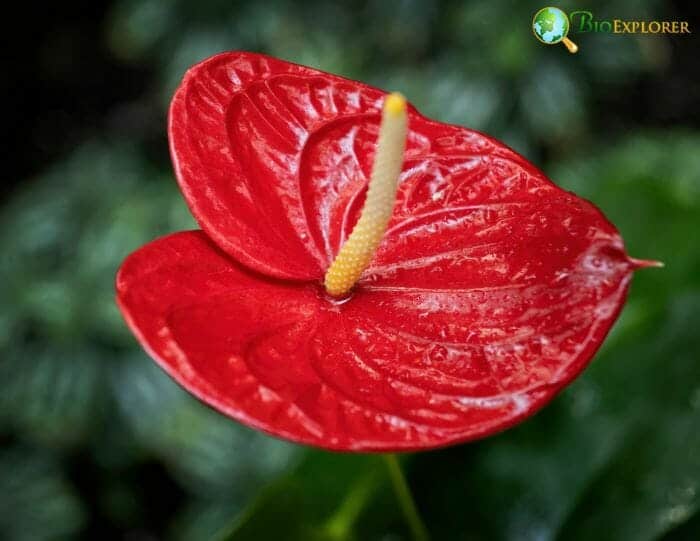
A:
(97, 443)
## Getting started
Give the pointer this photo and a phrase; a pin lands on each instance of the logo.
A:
(551, 26)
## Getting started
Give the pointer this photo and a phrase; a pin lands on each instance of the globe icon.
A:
(551, 25)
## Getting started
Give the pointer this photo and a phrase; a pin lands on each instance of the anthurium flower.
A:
(489, 288)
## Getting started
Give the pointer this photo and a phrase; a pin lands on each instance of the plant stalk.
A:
(405, 498)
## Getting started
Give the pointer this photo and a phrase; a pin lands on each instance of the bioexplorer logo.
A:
(551, 26)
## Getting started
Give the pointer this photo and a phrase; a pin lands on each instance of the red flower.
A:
(491, 290)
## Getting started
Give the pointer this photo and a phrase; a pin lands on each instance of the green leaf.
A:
(210, 454)
(329, 497)
(36, 502)
(52, 397)
(653, 482)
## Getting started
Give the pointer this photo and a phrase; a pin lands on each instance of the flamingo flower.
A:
(452, 299)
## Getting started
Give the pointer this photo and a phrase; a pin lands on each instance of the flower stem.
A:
(340, 524)
(403, 494)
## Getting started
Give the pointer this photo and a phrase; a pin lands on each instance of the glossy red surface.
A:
(492, 289)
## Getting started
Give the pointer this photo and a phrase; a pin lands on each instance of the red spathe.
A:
(492, 289)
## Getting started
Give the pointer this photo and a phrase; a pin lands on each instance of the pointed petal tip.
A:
(645, 263)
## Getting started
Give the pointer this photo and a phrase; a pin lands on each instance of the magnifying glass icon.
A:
(551, 26)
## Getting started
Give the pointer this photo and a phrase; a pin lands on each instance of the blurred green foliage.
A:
(99, 443)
